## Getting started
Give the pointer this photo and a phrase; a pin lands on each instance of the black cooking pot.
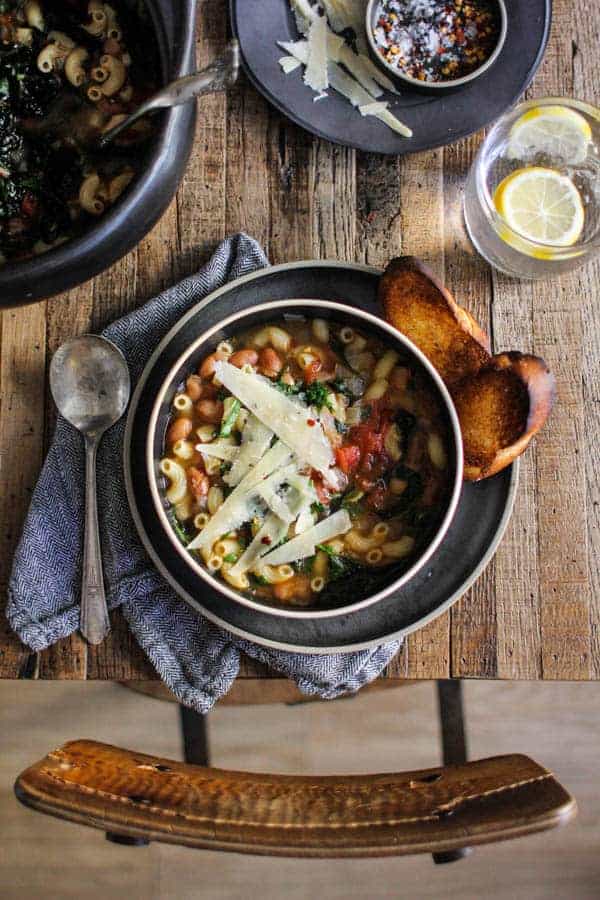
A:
(125, 224)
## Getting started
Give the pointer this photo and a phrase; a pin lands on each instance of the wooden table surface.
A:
(535, 612)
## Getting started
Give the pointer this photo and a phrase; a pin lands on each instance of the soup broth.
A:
(303, 459)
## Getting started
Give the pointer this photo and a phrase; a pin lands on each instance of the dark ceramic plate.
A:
(478, 525)
(435, 121)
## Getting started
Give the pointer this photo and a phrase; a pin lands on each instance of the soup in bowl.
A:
(305, 457)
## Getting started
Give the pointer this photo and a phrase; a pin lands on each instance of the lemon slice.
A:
(541, 205)
(556, 131)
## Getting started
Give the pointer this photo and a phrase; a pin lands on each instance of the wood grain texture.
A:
(535, 613)
(287, 815)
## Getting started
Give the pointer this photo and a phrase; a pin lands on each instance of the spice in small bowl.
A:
(436, 44)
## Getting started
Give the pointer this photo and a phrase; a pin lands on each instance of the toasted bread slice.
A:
(419, 306)
(502, 401)
(500, 408)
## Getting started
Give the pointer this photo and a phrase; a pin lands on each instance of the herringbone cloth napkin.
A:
(197, 660)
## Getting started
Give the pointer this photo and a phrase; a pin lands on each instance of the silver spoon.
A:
(89, 380)
(77, 120)
(221, 74)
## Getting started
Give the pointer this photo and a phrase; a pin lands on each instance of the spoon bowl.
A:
(89, 380)
(90, 383)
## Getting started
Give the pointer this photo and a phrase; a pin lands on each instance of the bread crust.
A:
(417, 304)
(502, 401)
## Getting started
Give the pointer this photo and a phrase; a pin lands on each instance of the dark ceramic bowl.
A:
(437, 87)
(126, 223)
(384, 581)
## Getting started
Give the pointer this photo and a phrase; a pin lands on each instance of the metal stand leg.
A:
(454, 744)
(126, 840)
(195, 736)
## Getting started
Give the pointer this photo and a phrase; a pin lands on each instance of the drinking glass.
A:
(490, 234)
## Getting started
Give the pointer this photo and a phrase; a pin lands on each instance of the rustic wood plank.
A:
(247, 176)
(290, 155)
(22, 370)
(555, 332)
(586, 83)
(332, 197)
(201, 200)
(473, 618)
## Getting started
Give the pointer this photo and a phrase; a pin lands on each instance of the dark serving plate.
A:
(125, 224)
(482, 515)
(435, 121)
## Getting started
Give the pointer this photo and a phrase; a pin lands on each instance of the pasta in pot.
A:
(291, 499)
(53, 184)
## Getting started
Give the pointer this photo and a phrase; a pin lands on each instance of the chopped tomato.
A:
(311, 371)
(348, 458)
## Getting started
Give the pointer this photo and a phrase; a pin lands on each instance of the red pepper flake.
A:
(432, 40)
(266, 540)
(311, 422)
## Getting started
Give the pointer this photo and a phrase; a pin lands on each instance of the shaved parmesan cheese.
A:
(289, 64)
(376, 74)
(357, 68)
(335, 46)
(256, 439)
(344, 14)
(395, 124)
(308, 495)
(316, 69)
(371, 109)
(297, 49)
(304, 14)
(219, 449)
(291, 421)
(243, 502)
(267, 491)
(272, 533)
(358, 96)
(304, 545)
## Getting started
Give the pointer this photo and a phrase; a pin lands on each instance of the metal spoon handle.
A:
(221, 74)
(95, 623)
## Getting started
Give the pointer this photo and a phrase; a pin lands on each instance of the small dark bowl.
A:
(434, 87)
(385, 581)
(140, 207)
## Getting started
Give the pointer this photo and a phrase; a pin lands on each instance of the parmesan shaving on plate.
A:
(344, 14)
(269, 535)
(297, 49)
(304, 14)
(371, 109)
(315, 76)
(305, 544)
(292, 422)
(324, 52)
(344, 84)
(289, 64)
(243, 502)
